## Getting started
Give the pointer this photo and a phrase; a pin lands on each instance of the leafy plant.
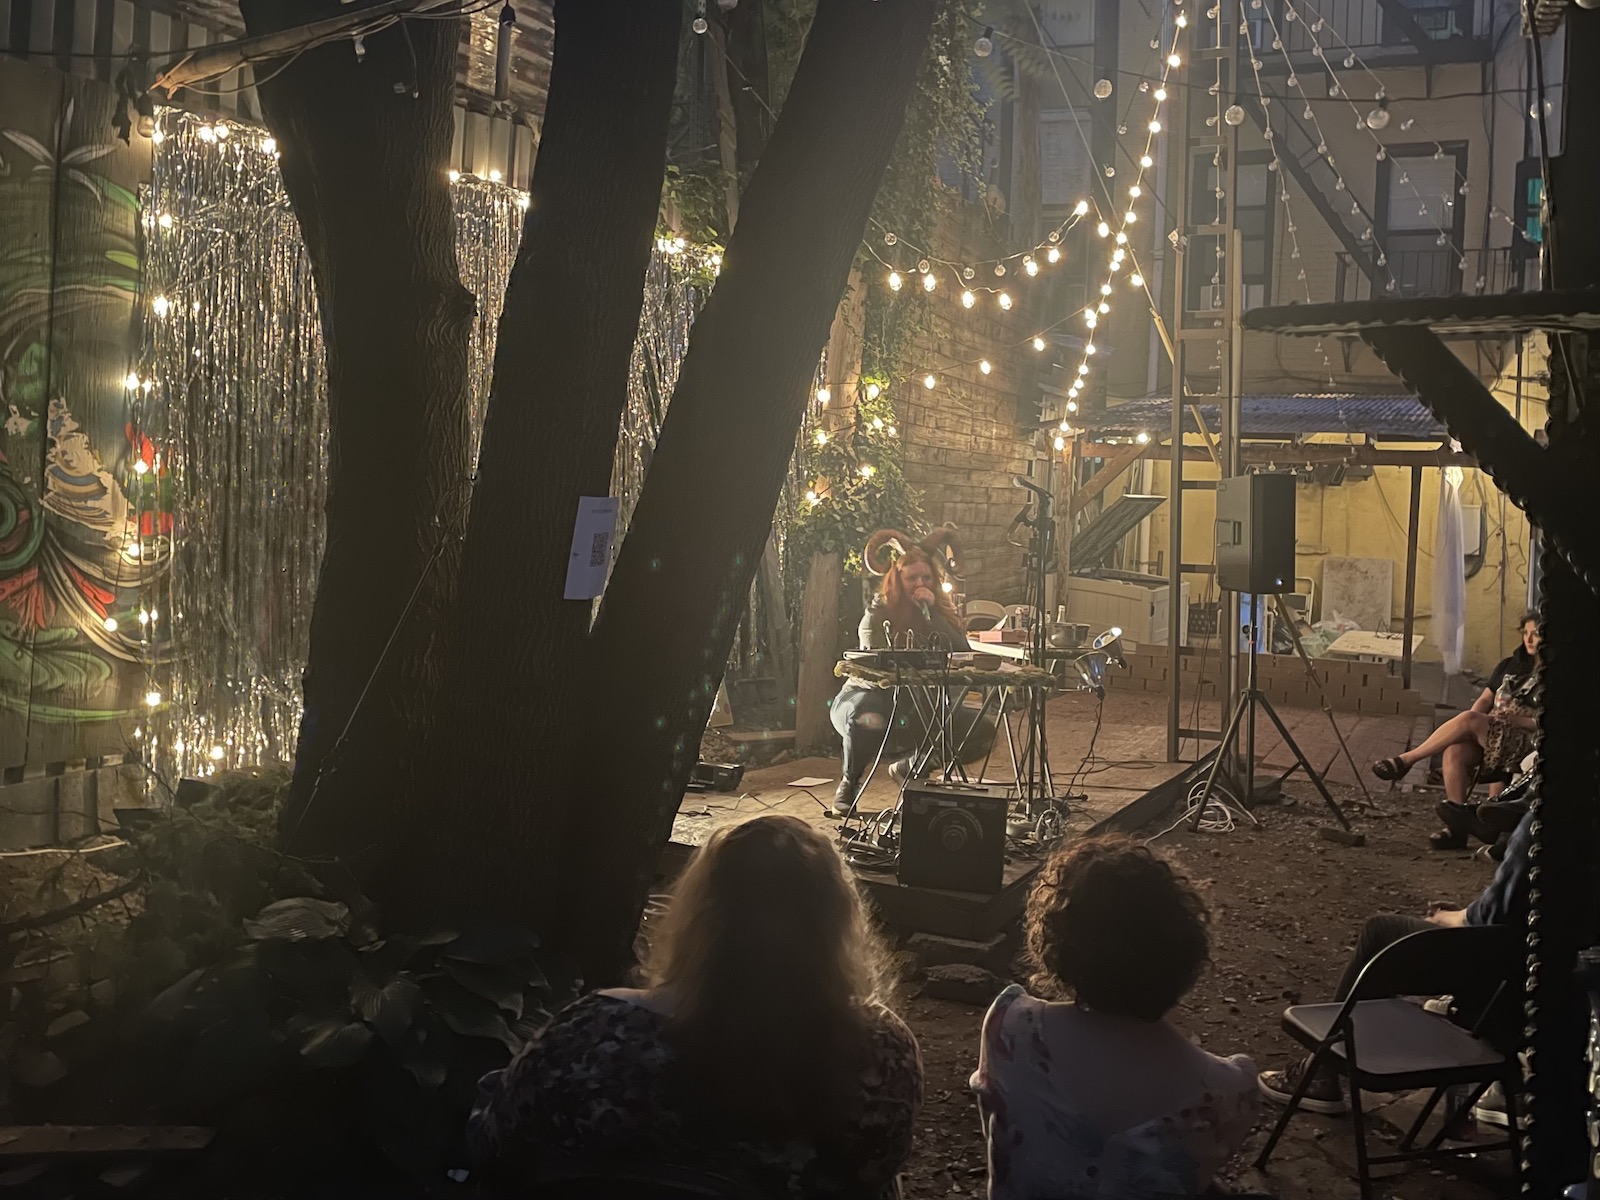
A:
(855, 482)
(401, 1026)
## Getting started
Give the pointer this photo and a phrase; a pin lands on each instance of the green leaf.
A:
(495, 984)
(425, 1065)
(330, 1045)
(468, 1014)
(123, 259)
(299, 919)
(493, 946)
(389, 1008)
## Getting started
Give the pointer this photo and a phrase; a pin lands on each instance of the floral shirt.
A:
(1044, 1146)
(592, 1088)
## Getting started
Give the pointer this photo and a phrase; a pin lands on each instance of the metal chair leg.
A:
(1422, 1119)
(1292, 1107)
(1359, 1128)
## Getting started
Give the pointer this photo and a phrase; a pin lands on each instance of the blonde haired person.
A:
(760, 1051)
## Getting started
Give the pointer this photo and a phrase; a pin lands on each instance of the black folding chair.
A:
(1381, 1042)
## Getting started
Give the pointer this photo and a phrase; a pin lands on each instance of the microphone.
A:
(1022, 481)
(927, 615)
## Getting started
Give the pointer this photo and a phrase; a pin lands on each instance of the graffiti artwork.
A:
(83, 511)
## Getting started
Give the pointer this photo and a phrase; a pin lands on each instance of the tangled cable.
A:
(1222, 812)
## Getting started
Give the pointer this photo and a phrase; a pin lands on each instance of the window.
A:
(1439, 20)
(1421, 223)
(1254, 213)
(1064, 166)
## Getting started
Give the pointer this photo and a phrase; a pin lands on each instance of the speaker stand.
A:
(1251, 698)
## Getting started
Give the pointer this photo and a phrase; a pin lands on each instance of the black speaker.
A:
(953, 836)
(1255, 534)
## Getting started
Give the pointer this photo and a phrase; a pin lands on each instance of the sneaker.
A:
(844, 798)
(1324, 1095)
(1491, 1109)
(901, 768)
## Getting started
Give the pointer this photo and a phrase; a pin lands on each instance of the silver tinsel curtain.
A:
(231, 367)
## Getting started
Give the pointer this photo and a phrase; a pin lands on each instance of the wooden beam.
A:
(215, 61)
(1114, 465)
(1257, 453)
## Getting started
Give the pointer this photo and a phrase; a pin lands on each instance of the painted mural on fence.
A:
(83, 511)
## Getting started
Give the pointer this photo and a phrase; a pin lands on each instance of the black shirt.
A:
(1518, 665)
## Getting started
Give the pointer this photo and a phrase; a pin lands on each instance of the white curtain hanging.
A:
(1449, 573)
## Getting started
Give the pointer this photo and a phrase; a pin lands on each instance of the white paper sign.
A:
(591, 547)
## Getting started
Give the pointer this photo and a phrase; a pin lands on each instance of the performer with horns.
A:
(913, 596)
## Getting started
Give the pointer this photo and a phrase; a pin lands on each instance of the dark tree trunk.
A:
(683, 575)
(364, 165)
(504, 759)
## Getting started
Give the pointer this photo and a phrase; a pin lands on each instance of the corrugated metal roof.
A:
(1399, 418)
(1573, 309)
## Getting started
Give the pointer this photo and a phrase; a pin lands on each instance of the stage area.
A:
(1112, 757)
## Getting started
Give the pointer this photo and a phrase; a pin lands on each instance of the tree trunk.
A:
(819, 652)
(684, 572)
(364, 166)
(562, 365)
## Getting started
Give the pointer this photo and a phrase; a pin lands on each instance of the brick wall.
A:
(965, 439)
(1351, 687)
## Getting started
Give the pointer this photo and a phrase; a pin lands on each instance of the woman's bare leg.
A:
(1462, 728)
(1459, 767)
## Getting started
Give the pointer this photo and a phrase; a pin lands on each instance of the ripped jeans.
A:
(861, 716)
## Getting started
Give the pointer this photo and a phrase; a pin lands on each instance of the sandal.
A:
(1390, 770)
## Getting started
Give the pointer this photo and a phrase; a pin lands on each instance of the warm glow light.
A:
(161, 306)
(1082, 208)
(1054, 255)
(1146, 161)
(929, 382)
(1072, 406)
(1135, 191)
(947, 586)
(1181, 21)
(111, 624)
(494, 176)
(1143, 439)
(1122, 238)
(1005, 301)
(1039, 344)
(1161, 94)
(269, 145)
(140, 467)
(1031, 267)
(164, 220)
(823, 395)
(866, 470)
(157, 136)
(822, 437)
(1136, 280)
(1103, 229)
(144, 617)
(1155, 126)
(1173, 60)
(1105, 289)
(1104, 308)
(929, 282)
(1083, 368)
(895, 281)
(986, 366)
(1061, 442)
(877, 422)
(1131, 217)
(131, 383)
(153, 699)
(1089, 349)
(873, 391)
(968, 299)
(216, 753)
(454, 176)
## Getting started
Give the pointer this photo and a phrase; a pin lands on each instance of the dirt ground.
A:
(1287, 905)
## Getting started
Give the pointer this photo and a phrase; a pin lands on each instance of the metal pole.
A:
(1412, 529)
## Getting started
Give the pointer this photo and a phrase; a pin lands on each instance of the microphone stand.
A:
(1035, 782)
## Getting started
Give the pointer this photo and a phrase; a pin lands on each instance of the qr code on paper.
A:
(599, 549)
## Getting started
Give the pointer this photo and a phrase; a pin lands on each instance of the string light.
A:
(823, 395)
(929, 282)
(985, 366)
(110, 624)
(929, 382)
(1039, 344)
(968, 299)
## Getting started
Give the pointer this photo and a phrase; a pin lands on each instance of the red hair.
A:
(903, 611)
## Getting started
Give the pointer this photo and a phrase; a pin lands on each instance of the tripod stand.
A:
(1244, 715)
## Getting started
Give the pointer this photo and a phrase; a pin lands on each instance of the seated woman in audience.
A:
(1485, 744)
(760, 1052)
(1100, 1095)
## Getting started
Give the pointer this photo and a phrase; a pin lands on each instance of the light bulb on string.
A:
(110, 624)
(891, 238)
(1105, 289)
(140, 467)
(867, 470)
(1142, 438)
(1104, 308)
(1234, 115)
(929, 282)
(929, 382)
(877, 422)
(1005, 301)
(823, 395)
(895, 281)
(873, 391)
(1135, 191)
(1102, 89)
(1130, 217)
(985, 366)
(131, 383)
(1061, 442)
(984, 46)
(1181, 21)
(1081, 209)
(999, 269)
(152, 699)
(1103, 229)
(968, 299)
(924, 266)
(453, 175)
(1072, 405)
(269, 146)
(1136, 280)
(1053, 254)
(1146, 161)
(160, 306)
(1039, 343)
(1161, 95)
(1122, 238)
(1174, 60)
(822, 437)
(1155, 126)
(1030, 266)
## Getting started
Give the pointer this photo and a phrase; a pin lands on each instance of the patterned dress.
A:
(595, 1088)
(1045, 1145)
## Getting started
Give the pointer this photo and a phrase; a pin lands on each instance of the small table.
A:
(1385, 647)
